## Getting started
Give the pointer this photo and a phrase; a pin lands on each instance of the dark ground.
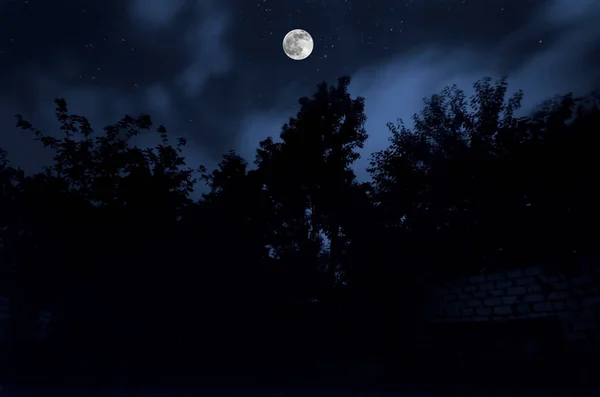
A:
(240, 363)
(415, 374)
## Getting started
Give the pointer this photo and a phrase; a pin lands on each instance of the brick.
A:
(584, 324)
(486, 286)
(474, 303)
(534, 270)
(558, 295)
(503, 284)
(514, 273)
(543, 307)
(481, 319)
(591, 301)
(483, 311)
(561, 285)
(502, 310)
(533, 298)
(581, 280)
(495, 276)
(572, 304)
(497, 292)
(477, 279)
(470, 288)
(526, 281)
(492, 301)
(480, 294)
(516, 291)
(519, 317)
(450, 298)
(523, 308)
(534, 289)
(537, 315)
(509, 300)
(560, 305)
(464, 296)
(467, 312)
(549, 278)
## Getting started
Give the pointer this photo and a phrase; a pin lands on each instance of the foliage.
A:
(485, 187)
(307, 175)
(109, 228)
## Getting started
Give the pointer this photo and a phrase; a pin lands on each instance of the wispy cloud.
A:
(395, 89)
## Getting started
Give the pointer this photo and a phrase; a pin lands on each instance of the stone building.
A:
(523, 304)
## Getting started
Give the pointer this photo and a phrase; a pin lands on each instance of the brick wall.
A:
(524, 293)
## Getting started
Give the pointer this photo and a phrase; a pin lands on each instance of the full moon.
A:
(298, 44)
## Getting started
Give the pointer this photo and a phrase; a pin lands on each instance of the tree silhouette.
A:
(307, 175)
(291, 261)
(98, 227)
(464, 178)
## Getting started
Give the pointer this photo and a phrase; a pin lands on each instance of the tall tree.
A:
(101, 222)
(308, 173)
(463, 178)
(236, 212)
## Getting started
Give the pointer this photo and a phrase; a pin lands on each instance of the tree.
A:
(99, 226)
(109, 230)
(308, 175)
(462, 180)
(9, 192)
(236, 212)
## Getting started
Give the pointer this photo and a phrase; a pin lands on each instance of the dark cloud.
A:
(550, 51)
(110, 61)
(214, 71)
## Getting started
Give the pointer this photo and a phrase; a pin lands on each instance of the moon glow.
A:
(298, 44)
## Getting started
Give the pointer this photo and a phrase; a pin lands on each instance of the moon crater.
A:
(298, 44)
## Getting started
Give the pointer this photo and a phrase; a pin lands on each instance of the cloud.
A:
(257, 128)
(205, 42)
(156, 13)
(176, 100)
(158, 99)
(566, 11)
(205, 25)
(395, 89)
(156, 58)
(555, 68)
(191, 71)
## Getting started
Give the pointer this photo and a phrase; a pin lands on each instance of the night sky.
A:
(215, 72)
